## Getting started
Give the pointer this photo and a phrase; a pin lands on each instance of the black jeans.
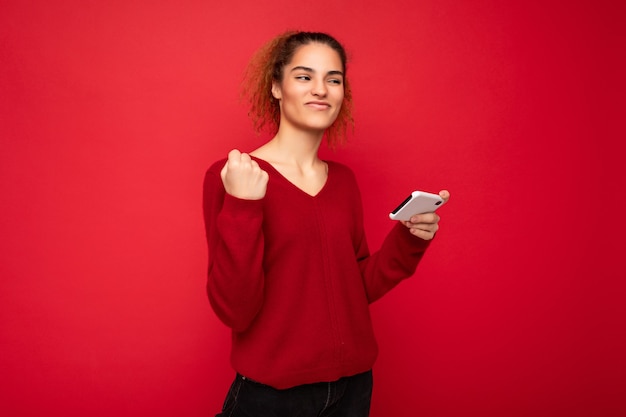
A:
(347, 397)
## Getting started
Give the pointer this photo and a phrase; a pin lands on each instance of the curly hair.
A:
(266, 67)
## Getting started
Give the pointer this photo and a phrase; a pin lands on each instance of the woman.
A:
(289, 268)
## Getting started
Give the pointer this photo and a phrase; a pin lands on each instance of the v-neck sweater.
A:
(292, 276)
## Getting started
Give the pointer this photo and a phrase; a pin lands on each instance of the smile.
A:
(318, 105)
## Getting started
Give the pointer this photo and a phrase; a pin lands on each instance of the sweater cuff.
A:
(415, 242)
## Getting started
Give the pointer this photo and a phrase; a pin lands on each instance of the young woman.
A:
(290, 271)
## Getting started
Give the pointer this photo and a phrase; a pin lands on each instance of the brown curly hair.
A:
(266, 66)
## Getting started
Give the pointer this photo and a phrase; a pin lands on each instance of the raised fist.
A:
(243, 178)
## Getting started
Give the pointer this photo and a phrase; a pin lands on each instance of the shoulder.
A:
(216, 167)
(212, 177)
(342, 178)
(339, 169)
(342, 175)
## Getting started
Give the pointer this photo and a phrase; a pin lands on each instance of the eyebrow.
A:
(307, 69)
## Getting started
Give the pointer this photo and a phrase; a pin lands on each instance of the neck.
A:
(296, 146)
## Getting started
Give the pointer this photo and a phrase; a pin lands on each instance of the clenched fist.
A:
(243, 178)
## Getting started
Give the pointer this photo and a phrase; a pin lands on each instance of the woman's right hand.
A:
(243, 178)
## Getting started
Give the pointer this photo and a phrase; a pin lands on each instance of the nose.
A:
(319, 88)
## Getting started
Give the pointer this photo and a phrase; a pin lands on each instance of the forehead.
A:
(317, 56)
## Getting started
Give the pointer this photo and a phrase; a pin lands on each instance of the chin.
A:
(322, 125)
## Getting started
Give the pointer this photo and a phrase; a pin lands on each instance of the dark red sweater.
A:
(292, 276)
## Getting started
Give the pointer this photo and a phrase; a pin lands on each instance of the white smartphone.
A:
(417, 203)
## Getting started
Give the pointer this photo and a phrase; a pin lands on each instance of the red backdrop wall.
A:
(111, 112)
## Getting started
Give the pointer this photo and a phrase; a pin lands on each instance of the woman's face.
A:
(312, 89)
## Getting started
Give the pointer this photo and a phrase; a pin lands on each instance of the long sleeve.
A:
(396, 260)
(235, 242)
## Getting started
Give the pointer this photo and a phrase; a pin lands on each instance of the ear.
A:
(276, 91)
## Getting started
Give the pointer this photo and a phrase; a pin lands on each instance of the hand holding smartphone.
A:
(417, 203)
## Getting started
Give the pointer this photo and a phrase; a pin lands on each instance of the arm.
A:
(235, 241)
(399, 255)
(396, 260)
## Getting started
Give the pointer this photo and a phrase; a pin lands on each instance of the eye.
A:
(335, 81)
(303, 77)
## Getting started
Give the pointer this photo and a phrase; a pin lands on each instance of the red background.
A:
(111, 112)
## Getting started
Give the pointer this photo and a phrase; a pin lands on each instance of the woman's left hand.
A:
(426, 225)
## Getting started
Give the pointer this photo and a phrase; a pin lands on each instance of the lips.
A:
(319, 105)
